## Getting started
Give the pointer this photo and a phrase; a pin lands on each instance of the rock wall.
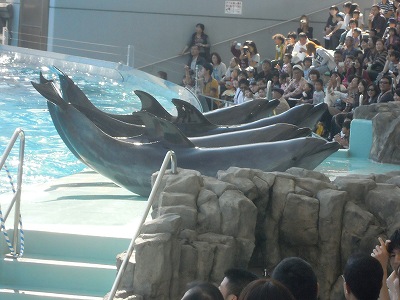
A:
(248, 218)
(386, 130)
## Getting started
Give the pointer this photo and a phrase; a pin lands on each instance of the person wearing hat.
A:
(335, 34)
(277, 93)
(376, 20)
(296, 85)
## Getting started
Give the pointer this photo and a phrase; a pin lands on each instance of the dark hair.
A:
(209, 67)
(252, 44)
(201, 26)
(320, 81)
(396, 54)
(347, 4)
(279, 37)
(334, 7)
(352, 20)
(288, 55)
(262, 289)
(298, 276)
(203, 291)
(307, 58)
(219, 60)
(238, 279)
(388, 78)
(363, 275)
(316, 72)
(302, 34)
(243, 81)
(292, 34)
(395, 237)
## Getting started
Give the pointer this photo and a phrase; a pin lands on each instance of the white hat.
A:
(298, 67)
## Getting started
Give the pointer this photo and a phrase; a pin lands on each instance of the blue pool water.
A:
(46, 156)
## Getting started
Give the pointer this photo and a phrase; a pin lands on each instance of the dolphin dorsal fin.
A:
(49, 91)
(188, 114)
(158, 129)
(151, 105)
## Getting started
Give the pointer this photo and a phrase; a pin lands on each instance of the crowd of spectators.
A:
(356, 64)
(365, 277)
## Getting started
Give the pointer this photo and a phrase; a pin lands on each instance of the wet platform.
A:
(84, 203)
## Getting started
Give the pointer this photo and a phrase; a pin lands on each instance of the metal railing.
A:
(18, 133)
(170, 156)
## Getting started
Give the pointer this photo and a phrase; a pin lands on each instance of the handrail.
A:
(170, 156)
(17, 195)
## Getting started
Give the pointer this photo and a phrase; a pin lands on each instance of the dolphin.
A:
(134, 133)
(236, 114)
(131, 165)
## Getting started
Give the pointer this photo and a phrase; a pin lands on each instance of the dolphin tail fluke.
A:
(48, 91)
(161, 129)
(151, 105)
(42, 79)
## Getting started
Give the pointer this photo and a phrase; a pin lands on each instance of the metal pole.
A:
(5, 35)
(169, 156)
(128, 56)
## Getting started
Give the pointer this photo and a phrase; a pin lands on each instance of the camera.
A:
(303, 21)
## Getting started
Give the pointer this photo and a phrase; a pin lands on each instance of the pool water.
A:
(46, 156)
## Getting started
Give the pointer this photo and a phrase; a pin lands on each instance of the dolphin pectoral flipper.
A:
(48, 91)
(159, 129)
(151, 105)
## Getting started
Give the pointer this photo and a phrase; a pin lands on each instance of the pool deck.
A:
(85, 203)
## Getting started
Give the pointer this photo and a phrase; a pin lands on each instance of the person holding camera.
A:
(247, 53)
(305, 27)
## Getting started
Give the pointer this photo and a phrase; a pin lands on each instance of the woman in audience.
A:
(377, 64)
(362, 96)
(305, 27)
(265, 289)
(372, 94)
(219, 68)
(330, 24)
(200, 39)
(323, 61)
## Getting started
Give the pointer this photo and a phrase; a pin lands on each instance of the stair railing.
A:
(170, 156)
(18, 133)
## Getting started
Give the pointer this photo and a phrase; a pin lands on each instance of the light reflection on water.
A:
(46, 156)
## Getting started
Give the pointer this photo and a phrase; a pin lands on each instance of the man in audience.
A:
(234, 282)
(376, 20)
(299, 50)
(385, 85)
(296, 85)
(362, 278)
(283, 105)
(298, 276)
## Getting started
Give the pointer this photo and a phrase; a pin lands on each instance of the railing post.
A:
(170, 156)
(130, 54)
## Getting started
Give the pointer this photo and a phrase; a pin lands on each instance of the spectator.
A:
(387, 8)
(286, 62)
(319, 94)
(389, 251)
(299, 49)
(362, 97)
(307, 95)
(307, 63)
(304, 27)
(209, 85)
(376, 20)
(290, 42)
(377, 64)
(372, 94)
(344, 136)
(202, 291)
(335, 34)
(240, 91)
(248, 54)
(195, 59)
(314, 76)
(252, 55)
(283, 105)
(295, 87)
(284, 80)
(330, 24)
(233, 65)
(347, 8)
(362, 277)
(348, 48)
(266, 70)
(266, 289)
(352, 26)
(357, 15)
(385, 85)
(201, 40)
(298, 276)
(235, 280)
(392, 38)
(219, 68)
(280, 47)
(322, 60)
(275, 80)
